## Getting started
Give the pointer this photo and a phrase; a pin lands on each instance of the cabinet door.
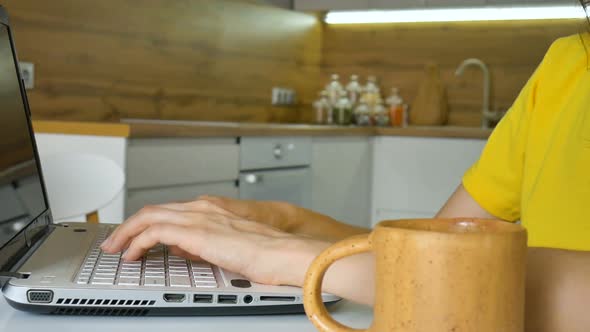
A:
(287, 185)
(331, 4)
(177, 161)
(455, 3)
(138, 198)
(341, 186)
(414, 176)
(396, 4)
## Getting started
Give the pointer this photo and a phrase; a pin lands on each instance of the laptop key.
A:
(149, 281)
(128, 281)
(100, 281)
(205, 285)
(176, 281)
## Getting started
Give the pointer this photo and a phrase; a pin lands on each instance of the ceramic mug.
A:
(433, 275)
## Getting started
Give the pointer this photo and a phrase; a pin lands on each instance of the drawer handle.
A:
(277, 151)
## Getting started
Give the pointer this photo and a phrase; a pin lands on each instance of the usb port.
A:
(227, 299)
(203, 298)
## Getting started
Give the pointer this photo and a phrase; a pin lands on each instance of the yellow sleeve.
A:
(494, 181)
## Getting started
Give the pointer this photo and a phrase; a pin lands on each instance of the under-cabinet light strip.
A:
(455, 14)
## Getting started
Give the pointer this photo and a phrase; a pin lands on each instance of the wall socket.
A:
(283, 96)
(27, 73)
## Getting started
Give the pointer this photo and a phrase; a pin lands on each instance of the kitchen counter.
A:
(12, 320)
(162, 129)
(82, 128)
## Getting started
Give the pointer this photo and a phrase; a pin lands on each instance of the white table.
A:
(12, 320)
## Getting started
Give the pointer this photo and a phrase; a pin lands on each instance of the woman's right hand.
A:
(287, 218)
(279, 215)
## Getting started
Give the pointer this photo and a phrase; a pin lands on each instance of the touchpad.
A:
(241, 283)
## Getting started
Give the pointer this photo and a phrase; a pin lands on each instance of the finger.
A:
(139, 222)
(167, 234)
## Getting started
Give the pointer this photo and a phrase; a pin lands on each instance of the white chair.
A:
(81, 186)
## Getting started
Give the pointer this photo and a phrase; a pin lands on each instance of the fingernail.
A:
(124, 256)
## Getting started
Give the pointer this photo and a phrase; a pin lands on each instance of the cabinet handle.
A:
(253, 178)
(277, 151)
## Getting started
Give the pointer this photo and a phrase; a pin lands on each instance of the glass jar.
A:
(321, 107)
(343, 110)
(362, 116)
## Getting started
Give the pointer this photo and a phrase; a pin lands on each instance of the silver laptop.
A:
(60, 269)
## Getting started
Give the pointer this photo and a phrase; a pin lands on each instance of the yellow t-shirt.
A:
(536, 164)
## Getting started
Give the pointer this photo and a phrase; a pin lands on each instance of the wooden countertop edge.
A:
(442, 132)
(81, 128)
(186, 130)
(147, 130)
(155, 130)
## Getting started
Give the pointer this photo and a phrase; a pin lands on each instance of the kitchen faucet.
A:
(487, 115)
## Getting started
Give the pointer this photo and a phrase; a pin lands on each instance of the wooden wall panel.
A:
(166, 59)
(396, 54)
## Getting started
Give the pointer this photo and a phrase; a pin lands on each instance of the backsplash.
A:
(195, 60)
(397, 53)
(218, 60)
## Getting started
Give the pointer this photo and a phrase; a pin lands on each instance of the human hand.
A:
(288, 218)
(202, 229)
(279, 215)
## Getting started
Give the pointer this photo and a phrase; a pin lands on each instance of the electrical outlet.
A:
(275, 96)
(283, 96)
(27, 73)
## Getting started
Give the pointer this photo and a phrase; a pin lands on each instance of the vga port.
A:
(40, 296)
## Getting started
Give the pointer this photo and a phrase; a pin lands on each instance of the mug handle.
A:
(312, 288)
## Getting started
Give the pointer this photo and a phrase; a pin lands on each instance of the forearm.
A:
(320, 226)
(558, 290)
(352, 278)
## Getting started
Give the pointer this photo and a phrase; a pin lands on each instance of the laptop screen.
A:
(22, 197)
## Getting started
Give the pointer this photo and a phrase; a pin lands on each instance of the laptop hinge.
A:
(6, 276)
(10, 275)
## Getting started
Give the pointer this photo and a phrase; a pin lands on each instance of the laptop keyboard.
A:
(157, 268)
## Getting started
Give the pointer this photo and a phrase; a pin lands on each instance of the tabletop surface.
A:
(12, 320)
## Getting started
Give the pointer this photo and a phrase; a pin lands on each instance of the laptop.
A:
(59, 268)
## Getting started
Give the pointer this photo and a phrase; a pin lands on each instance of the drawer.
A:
(274, 152)
(138, 198)
(165, 162)
(291, 185)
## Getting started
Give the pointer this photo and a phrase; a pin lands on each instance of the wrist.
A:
(294, 258)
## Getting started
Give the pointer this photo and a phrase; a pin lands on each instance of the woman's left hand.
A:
(201, 229)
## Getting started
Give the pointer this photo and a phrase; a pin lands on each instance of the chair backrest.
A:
(80, 184)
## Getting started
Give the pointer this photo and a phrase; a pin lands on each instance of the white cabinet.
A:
(331, 4)
(341, 178)
(180, 169)
(414, 176)
(138, 198)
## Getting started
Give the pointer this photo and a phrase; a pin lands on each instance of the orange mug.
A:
(433, 275)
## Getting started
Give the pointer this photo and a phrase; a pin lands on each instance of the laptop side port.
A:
(40, 296)
(203, 298)
(277, 298)
(227, 299)
(176, 298)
